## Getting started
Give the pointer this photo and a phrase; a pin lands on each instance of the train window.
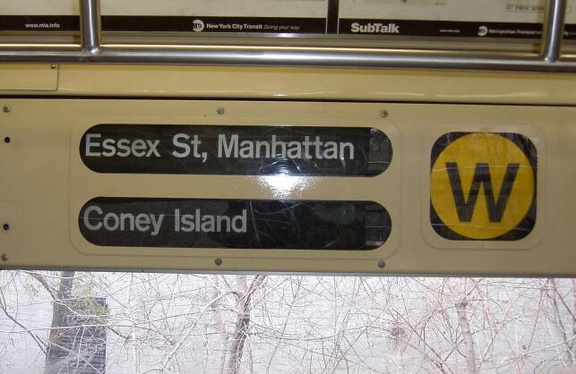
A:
(61, 322)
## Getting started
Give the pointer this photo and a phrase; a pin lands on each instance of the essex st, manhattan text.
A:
(228, 146)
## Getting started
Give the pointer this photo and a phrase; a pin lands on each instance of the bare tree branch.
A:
(41, 344)
(40, 278)
(170, 356)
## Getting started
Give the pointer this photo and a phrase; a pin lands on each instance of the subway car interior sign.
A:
(426, 189)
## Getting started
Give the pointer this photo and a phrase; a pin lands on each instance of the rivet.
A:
(6, 109)
(4, 257)
(53, 66)
(7, 139)
(381, 264)
(220, 110)
(218, 261)
(384, 113)
(6, 227)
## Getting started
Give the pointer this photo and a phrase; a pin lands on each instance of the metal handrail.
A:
(92, 50)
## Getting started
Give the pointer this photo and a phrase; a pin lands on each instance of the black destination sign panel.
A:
(233, 223)
(236, 150)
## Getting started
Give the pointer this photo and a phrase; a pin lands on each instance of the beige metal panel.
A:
(318, 84)
(44, 185)
(28, 78)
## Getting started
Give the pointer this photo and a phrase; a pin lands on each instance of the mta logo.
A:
(483, 186)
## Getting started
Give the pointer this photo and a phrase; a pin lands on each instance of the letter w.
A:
(496, 206)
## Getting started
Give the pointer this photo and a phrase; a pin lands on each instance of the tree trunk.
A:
(467, 335)
(56, 353)
(243, 322)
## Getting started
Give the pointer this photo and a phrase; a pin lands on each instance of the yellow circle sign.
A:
(483, 186)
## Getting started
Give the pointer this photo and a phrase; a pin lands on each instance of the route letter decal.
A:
(483, 186)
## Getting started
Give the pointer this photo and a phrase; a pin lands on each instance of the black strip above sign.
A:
(394, 27)
(196, 24)
(333, 16)
(39, 23)
(236, 150)
(330, 25)
(202, 24)
(285, 25)
(207, 223)
(570, 32)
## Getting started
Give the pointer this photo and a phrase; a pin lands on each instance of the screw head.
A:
(6, 227)
(383, 113)
(6, 109)
(220, 110)
(218, 261)
(4, 257)
(381, 264)
(7, 140)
